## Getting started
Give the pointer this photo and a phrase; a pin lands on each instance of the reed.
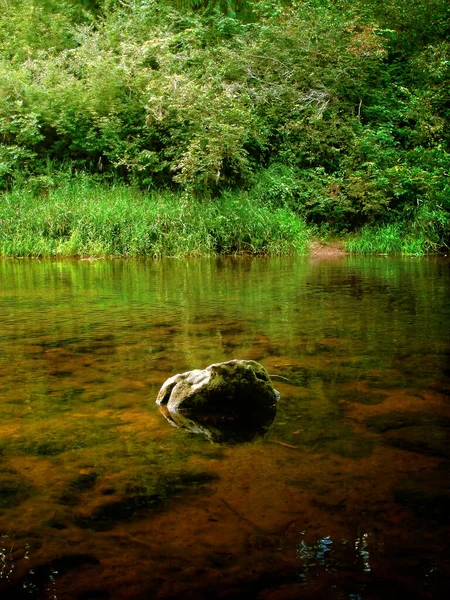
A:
(394, 238)
(83, 218)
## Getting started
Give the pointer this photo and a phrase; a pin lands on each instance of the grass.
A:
(394, 238)
(83, 218)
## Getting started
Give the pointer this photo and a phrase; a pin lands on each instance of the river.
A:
(346, 496)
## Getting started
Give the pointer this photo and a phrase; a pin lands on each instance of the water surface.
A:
(346, 495)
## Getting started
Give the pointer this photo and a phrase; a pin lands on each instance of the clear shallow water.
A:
(345, 497)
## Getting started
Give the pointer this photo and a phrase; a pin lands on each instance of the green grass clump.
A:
(392, 238)
(84, 218)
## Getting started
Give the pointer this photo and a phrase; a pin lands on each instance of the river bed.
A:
(346, 495)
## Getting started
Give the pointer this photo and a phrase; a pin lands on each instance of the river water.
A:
(345, 497)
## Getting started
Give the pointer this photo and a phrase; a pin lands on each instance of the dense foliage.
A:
(81, 217)
(337, 110)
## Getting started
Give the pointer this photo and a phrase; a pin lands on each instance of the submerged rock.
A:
(426, 493)
(421, 432)
(14, 489)
(228, 402)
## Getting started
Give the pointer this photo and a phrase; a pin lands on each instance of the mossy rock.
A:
(225, 397)
(236, 386)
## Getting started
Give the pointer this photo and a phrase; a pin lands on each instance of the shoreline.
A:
(86, 219)
(316, 249)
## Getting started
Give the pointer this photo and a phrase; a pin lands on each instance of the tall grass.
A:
(395, 238)
(84, 218)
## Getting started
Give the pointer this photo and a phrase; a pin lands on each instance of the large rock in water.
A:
(230, 401)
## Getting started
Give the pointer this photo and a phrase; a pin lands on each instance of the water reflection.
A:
(6, 560)
(332, 555)
(114, 503)
(33, 581)
(366, 566)
(220, 429)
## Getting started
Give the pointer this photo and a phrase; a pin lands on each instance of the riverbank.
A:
(252, 129)
(81, 217)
